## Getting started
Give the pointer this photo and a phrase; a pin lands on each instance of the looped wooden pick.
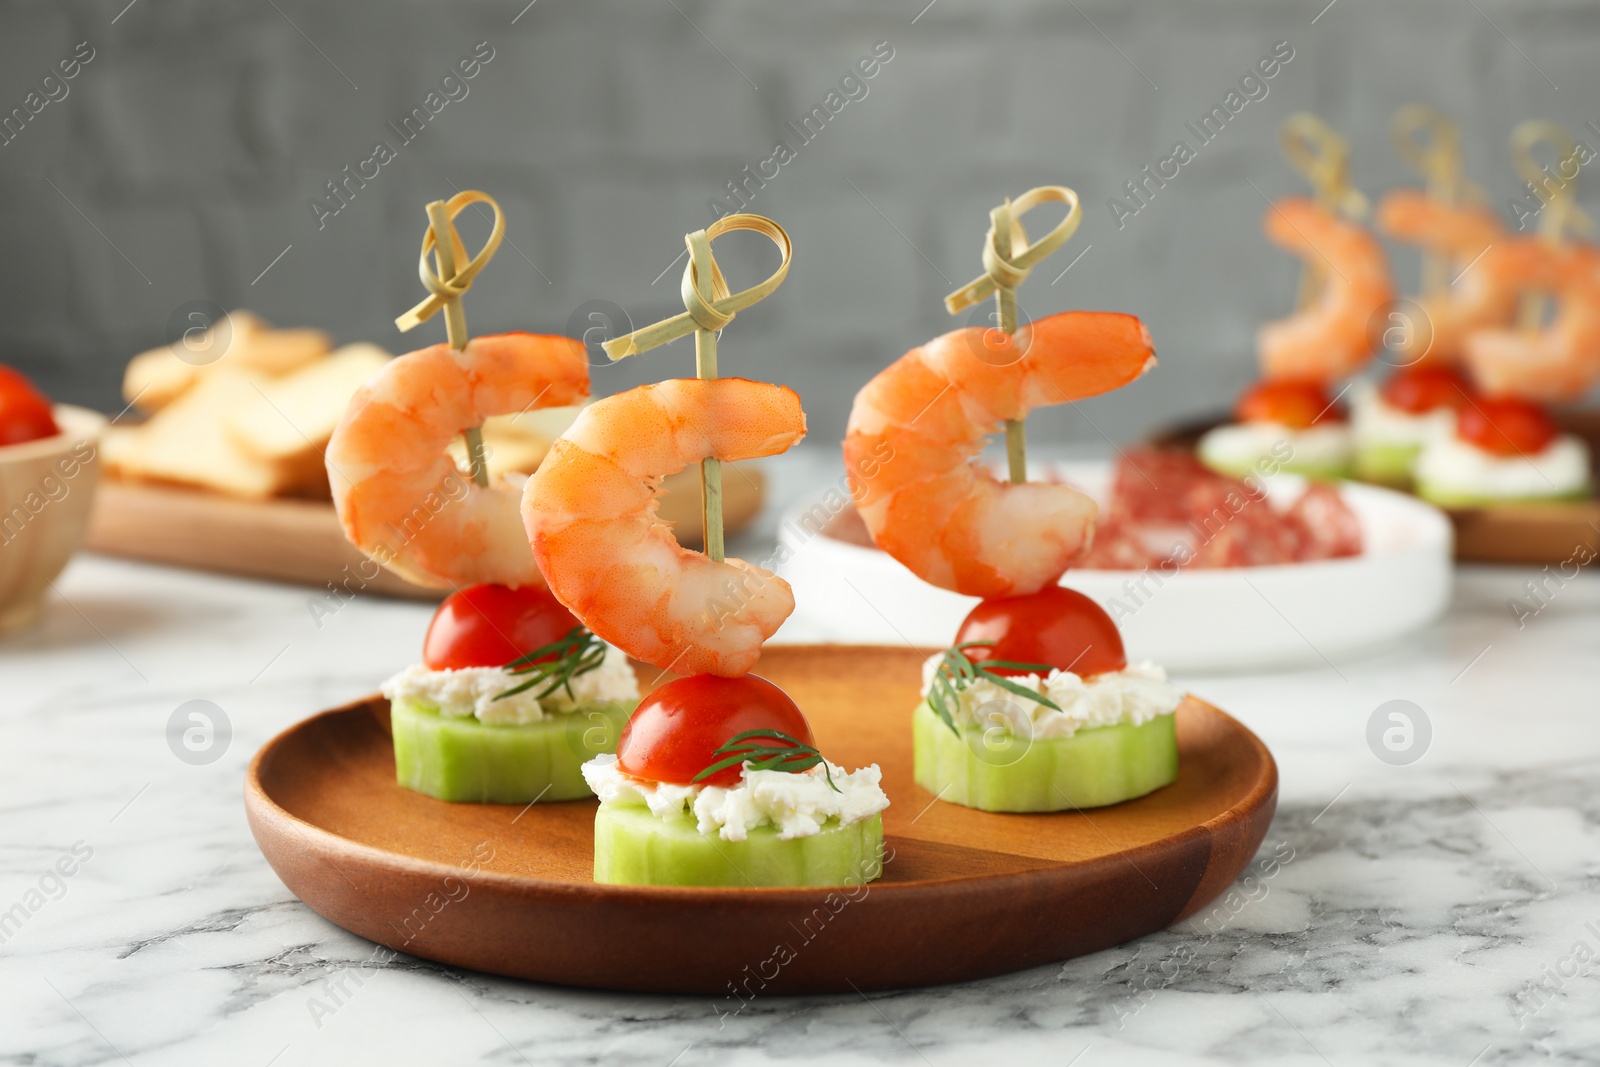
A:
(1323, 158)
(1007, 260)
(708, 308)
(1561, 214)
(1007, 255)
(708, 305)
(1317, 151)
(449, 283)
(1429, 143)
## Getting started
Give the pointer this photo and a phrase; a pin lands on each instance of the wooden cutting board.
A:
(300, 541)
(509, 889)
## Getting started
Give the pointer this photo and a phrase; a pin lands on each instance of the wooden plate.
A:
(300, 540)
(965, 893)
(1507, 533)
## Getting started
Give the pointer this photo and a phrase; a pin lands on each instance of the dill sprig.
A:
(756, 748)
(955, 672)
(579, 652)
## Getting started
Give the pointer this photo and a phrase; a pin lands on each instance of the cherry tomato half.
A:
(1419, 390)
(676, 730)
(1295, 404)
(491, 625)
(1506, 426)
(1057, 627)
(25, 413)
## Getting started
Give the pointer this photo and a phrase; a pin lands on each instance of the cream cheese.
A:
(1238, 446)
(1377, 422)
(471, 691)
(1135, 695)
(797, 804)
(1454, 466)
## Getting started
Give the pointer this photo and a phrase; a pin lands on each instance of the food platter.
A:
(1276, 616)
(300, 541)
(965, 893)
(1535, 534)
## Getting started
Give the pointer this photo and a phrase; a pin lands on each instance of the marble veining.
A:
(1446, 912)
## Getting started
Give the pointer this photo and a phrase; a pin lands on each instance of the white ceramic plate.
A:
(1192, 621)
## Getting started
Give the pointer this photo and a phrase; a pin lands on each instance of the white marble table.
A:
(1445, 912)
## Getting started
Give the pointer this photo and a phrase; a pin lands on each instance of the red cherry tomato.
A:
(491, 625)
(25, 413)
(1057, 627)
(1295, 404)
(1419, 390)
(1506, 426)
(676, 731)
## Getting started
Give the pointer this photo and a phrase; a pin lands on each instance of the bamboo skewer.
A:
(1430, 144)
(1317, 151)
(449, 283)
(708, 309)
(1007, 260)
(1561, 215)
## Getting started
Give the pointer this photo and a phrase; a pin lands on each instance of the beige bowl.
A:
(46, 487)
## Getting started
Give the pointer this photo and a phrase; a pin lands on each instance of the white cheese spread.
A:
(1457, 467)
(1377, 422)
(796, 803)
(1238, 446)
(1136, 694)
(471, 691)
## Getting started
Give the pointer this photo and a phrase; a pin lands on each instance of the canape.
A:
(1504, 451)
(1036, 708)
(716, 782)
(513, 696)
(1283, 425)
(1393, 423)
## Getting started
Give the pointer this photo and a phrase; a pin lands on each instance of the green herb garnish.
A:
(755, 747)
(956, 672)
(579, 652)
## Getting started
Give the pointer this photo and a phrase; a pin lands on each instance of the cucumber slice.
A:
(455, 758)
(1445, 497)
(998, 771)
(634, 847)
(1386, 463)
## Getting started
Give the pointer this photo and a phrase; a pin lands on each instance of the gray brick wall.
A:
(185, 155)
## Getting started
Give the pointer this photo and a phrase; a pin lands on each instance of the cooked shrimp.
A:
(402, 500)
(590, 513)
(920, 424)
(1561, 360)
(1485, 293)
(1329, 339)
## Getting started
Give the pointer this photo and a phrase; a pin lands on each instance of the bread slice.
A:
(507, 453)
(156, 378)
(297, 412)
(187, 442)
(537, 424)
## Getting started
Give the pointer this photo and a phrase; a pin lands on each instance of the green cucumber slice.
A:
(455, 758)
(1386, 463)
(1323, 472)
(993, 770)
(634, 847)
(1443, 497)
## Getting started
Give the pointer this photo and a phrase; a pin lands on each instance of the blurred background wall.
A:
(186, 156)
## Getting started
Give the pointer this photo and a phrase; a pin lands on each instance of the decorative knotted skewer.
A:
(1007, 259)
(1322, 156)
(1561, 215)
(449, 282)
(1429, 143)
(708, 308)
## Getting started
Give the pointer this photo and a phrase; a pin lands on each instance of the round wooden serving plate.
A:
(965, 894)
